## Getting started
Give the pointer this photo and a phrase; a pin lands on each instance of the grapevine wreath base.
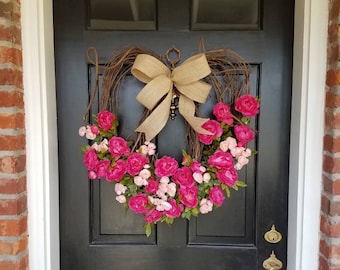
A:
(159, 188)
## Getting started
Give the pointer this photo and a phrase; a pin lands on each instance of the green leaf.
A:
(241, 183)
(147, 229)
(195, 211)
(235, 187)
(227, 191)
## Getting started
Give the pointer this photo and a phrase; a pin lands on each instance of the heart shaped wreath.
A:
(158, 187)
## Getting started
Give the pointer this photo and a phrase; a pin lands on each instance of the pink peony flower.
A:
(176, 209)
(121, 199)
(244, 134)
(222, 113)
(221, 160)
(94, 130)
(216, 195)
(247, 105)
(105, 120)
(214, 127)
(135, 163)
(152, 186)
(118, 147)
(152, 216)
(228, 176)
(102, 167)
(165, 166)
(117, 172)
(139, 203)
(206, 206)
(183, 177)
(196, 166)
(189, 196)
(90, 159)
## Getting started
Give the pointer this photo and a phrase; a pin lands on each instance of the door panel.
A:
(96, 233)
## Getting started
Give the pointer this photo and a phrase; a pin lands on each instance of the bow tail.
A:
(155, 122)
(186, 108)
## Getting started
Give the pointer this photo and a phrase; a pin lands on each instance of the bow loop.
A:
(159, 87)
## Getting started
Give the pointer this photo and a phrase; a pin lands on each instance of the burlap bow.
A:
(159, 82)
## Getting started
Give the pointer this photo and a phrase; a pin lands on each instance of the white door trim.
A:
(311, 17)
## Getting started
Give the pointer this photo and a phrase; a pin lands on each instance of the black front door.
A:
(96, 233)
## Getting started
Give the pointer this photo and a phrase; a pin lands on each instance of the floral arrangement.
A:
(158, 187)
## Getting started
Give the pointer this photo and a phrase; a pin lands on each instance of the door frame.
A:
(307, 130)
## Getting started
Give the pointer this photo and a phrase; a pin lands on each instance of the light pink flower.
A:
(82, 131)
(222, 113)
(165, 166)
(139, 181)
(247, 153)
(247, 105)
(171, 189)
(237, 151)
(139, 203)
(241, 161)
(216, 131)
(162, 205)
(206, 206)
(105, 120)
(145, 173)
(206, 177)
(121, 199)
(120, 189)
(221, 160)
(198, 177)
(216, 195)
(89, 134)
(228, 144)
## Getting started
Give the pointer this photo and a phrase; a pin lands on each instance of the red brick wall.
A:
(13, 201)
(330, 201)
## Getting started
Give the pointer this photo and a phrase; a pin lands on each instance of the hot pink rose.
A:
(189, 196)
(117, 172)
(94, 130)
(244, 134)
(105, 120)
(152, 186)
(216, 195)
(165, 166)
(247, 105)
(222, 113)
(139, 203)
(228, 176)
(152, 216)
(176, 209)
(183, 177)
(216, 131)
(90, 159)
(92, 175)
(197, 167)
(102, 167)
(221, 160)
(118, 147)
(135, 163)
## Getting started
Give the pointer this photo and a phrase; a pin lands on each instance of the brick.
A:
(11, 34)
(334, 10)
(331, 144)
(330, 186)
(330, 165)
(10, 143)
(332, 100)
(13, 186)
(21, 264)
(13, 227)
(326, 265)
(329, 251)
(13, 164)
(10, 55)
(12, 99)
(13, 206)
(11, 77)
(10, 11)
(333, 53)
(13, 247)
(331, 229)
(12, 121)
(332, 120)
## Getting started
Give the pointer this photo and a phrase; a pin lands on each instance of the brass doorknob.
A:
(272, 263)
(273, 236)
